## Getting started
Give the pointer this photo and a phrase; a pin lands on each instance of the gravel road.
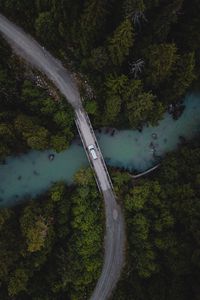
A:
(37, 56)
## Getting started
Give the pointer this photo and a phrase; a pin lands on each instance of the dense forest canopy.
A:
(138, 56)
(51, 248)
(163, 221)
(58, 237)
(29, 117)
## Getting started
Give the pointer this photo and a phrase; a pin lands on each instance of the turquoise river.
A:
(30, 174)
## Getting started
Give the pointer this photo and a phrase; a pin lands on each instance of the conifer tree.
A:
(120, 43)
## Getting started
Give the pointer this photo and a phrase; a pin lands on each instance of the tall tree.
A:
(114, 93)
(184, 75)
(161, 60)
(180, 80)
(92, 23)
(134, 9)
(46, 29)
(121, 41)
(142, 107)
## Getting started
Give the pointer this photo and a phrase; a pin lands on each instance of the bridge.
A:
(83, 125)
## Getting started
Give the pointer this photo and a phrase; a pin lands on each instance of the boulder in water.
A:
(154, 136)
(113, 132)
(51, 157)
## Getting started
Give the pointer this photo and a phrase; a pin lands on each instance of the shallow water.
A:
(134, 150)
(32, 173)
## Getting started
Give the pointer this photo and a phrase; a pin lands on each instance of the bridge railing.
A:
(99, 150)
(86, 151)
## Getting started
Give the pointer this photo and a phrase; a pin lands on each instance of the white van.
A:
(92, 151)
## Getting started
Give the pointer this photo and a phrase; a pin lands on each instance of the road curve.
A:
(30, 50)
(115, 237)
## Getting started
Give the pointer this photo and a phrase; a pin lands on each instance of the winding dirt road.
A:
(31, 51)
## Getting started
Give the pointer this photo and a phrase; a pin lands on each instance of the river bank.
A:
(30, 174)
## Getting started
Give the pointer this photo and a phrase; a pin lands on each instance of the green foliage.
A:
(57, 192)
(162, 215)
(85, 254)
(120, 180)
(136, 198)
(45, 26)
(57, 241)
(61, 118)
(84, 177)
(120, 43)
(184, 75)
(30, 93)
(29, 118)
(161, 62)
(4, 216)
(115, 89)
(39, 139)
(62, 231)
(113, 107)
(139, 109)
(103, 39)
(91, 107)
(35, 229)
(134, 7)
(6, 133)
(128, 95)
(98, 59)
(24, 124)
(17, 282)
(7, 87)
(91, 22)
(163, 18)
(21, 9)
(49, 107)
(141, 106)
(59, 143)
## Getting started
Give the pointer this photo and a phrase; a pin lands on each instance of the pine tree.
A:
(161, 60)
(120, 43)
(114, 92)
(183, 76)
(91, 23)
(134, 9)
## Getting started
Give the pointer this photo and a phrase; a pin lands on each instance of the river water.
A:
(30, 174)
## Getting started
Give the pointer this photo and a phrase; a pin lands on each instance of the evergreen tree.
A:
(161, 62)
(92, 23)
(115, 88)
(120, 43)
(134, 9)
(46, 29)
(142, 107)
(184, 75)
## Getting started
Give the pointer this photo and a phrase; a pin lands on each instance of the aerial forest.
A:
(138, 56)
(132, 59)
